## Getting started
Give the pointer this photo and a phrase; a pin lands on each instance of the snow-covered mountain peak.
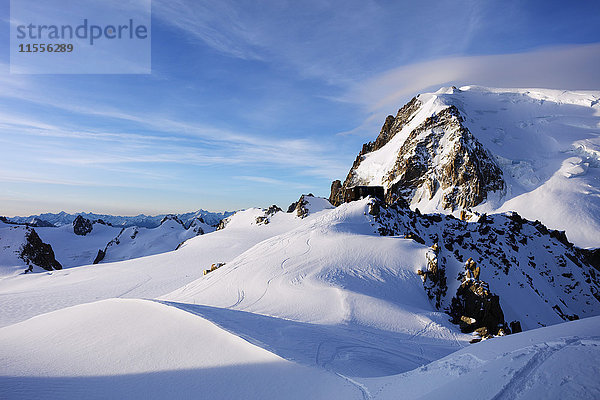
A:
(534, 151)
(171, 220)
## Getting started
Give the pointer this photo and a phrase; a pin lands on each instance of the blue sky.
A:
(255, 103)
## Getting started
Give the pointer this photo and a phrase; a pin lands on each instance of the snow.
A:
(545, 141)
(73, 250)
(24, 296)
(12, 238)
(316, 204)
(558, 362)
(314, 307)
(134, 242)
(331, 284)
(138, 348)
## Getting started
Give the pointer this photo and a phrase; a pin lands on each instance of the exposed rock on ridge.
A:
(518, 258)
(82, 226)
(36, 252)
(439, 157)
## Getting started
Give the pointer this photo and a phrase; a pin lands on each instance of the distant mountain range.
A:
(141, 220)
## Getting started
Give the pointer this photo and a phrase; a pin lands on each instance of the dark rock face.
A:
(515, 327)
(360, 192)
(336, 197)
(82, 226)
(222, 223)
(465, 174)
(99, 256)
(36, 252)
(591, 256)
(440, 154)
(299, 207)
(171, 217)
(475, 307)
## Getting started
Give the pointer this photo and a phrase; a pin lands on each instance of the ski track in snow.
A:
(339, 349)
(363, 389)
(142, 283)
(515, 386)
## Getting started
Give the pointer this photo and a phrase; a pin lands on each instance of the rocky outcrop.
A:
(299, 207)
(438, 157)
(99, 256)
(172, 217)
(36, 252)
(442, 155)
(265, 219)
(474, 307)
(336, 197)
(102, 222)
(434, 276)
(222, 224)
(82, 226)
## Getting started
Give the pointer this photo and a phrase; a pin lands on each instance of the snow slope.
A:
(24, 296)
(558, 362)
(12, 239)
(134, 242)
(141, 349)
(73, 250)
(119, 244)
(547, 143)
(319, 298)
(332, 284)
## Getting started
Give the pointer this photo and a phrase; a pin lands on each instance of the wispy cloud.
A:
(205, 21)
(166, 141)
(563, 67)
(335, 43)
(271, 181)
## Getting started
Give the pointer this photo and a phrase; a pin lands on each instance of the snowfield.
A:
(322, 299)
(142, 349)
(12, 238)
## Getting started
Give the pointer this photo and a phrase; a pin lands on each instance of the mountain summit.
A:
(534, 151)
